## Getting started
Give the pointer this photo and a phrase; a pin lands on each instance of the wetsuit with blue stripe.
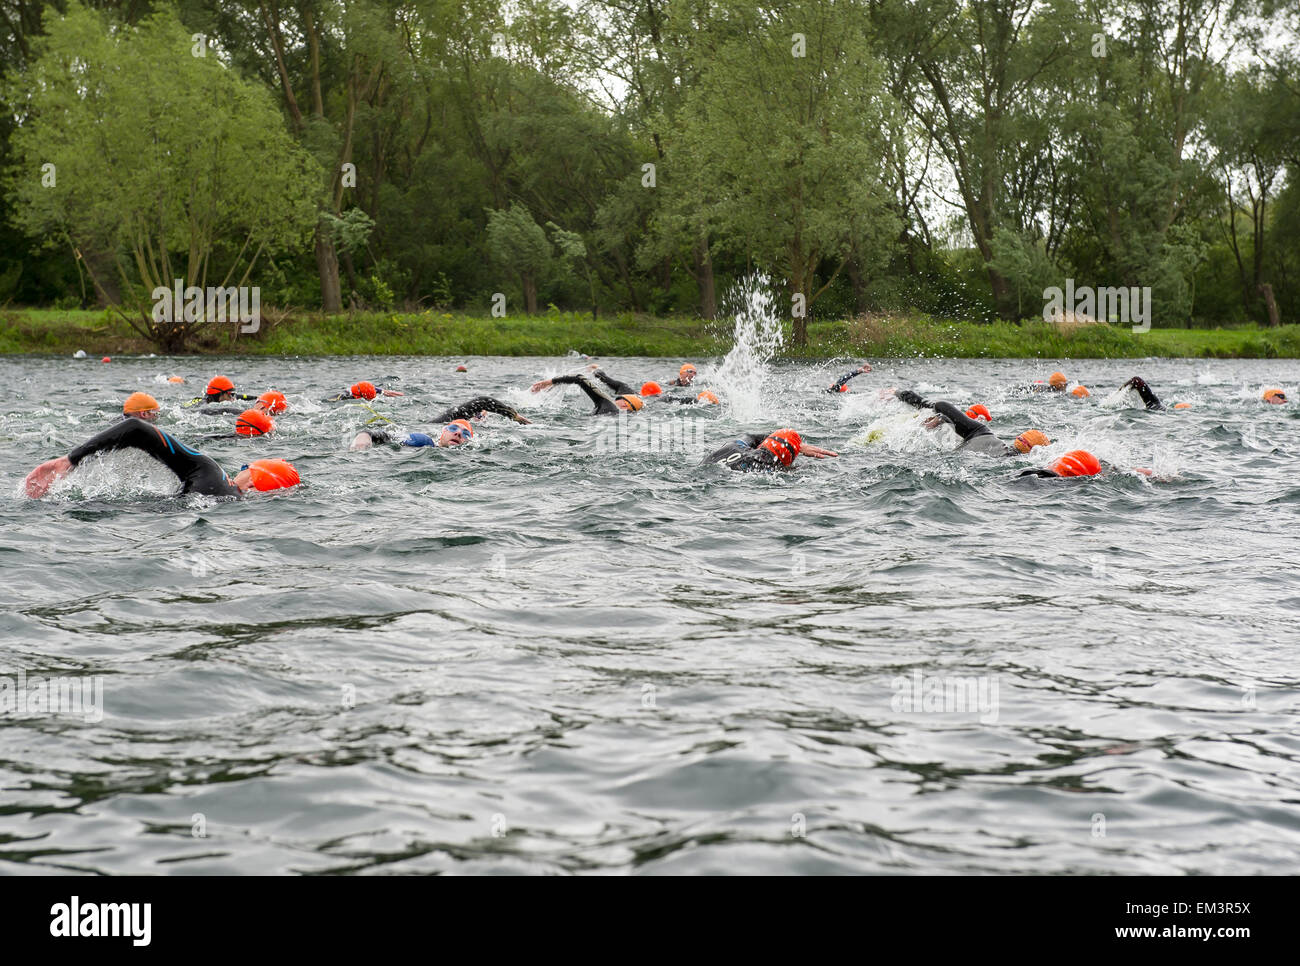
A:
(469, 410)
(197, 473)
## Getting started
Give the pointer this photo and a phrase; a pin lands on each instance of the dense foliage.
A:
(611, 156)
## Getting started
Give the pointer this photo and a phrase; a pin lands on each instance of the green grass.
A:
(62, 332)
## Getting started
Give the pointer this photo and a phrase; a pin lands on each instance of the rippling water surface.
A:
(555, 651)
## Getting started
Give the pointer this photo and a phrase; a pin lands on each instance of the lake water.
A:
(566, 648)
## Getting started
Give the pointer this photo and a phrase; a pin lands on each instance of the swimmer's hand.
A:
(393, 392)
(539, 386)
(888, 393)
(816, 452)
(362, 441)
(40, 480)
(522, 421)
(866, 367)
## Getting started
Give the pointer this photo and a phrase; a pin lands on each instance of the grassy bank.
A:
(62, 332)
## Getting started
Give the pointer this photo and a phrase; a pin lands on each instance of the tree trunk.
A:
(327, 263)
(530, 294)
(1003, 297)
(1270, 303)
(704, 275)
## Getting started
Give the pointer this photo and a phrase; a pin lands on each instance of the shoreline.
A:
(57, 332)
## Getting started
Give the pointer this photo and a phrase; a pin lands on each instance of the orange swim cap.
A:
(707, 397)
(651, 389)
(980, 411)
(1077, 462)
(1182, 405)
(219, 384)
(686, 367)
(273, 474)
(106, 359)
(634, 402)
(1057, 380)
(254, 422)
(273, 401)
(1080, 392)
(363, 390)
(1029, 439)
(465, 426)
(1274, 396)
(784, 444)
(139, 402)
(175, 379)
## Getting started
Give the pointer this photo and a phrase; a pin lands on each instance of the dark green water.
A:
(551, 652)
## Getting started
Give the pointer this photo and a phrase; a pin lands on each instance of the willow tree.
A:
(138, 142)
(783, 137)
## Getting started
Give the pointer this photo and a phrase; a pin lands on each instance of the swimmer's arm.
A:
(481, 404)
(385, 391)
(963, 424)
(842, 381)
(816, 452)
(1149, 398)
(127, 434)
(912, 399)
(602, 402)
(620, 388)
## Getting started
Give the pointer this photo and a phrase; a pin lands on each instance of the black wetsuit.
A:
(1149, 398)
(468, 410)
(604, 405)
(197, 473)
(743, 454)
(842, 381)
(214, 398)
(975, 436)
(620, 388)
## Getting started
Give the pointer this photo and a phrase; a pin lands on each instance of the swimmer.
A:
(975, 436)
(1274, 397)
(842, 383)
(457, 430)
(197, 473)
(775, 451)
(220, 389)
(1149, 398)
(685, 375)
(1077, 462)
(651, 391)
(140, 405)
(272, 401)
(363, 390)
(251, 422)
(628, 402)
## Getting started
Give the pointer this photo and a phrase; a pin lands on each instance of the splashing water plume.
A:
(756, 338)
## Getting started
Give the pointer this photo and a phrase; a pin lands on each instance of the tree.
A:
(799, 80)
(519, 245)
(128, 143)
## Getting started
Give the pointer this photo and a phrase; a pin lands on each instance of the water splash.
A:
(756, 337)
